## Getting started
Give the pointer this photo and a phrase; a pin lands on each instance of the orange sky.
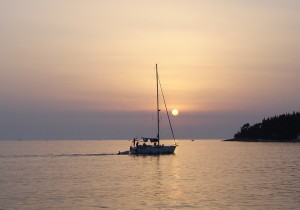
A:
(99, 56)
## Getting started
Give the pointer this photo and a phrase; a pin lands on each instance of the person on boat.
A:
(134, 139)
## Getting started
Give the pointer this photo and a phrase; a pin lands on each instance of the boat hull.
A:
(152, 150)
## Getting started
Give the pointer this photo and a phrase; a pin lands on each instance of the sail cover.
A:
(146, 139)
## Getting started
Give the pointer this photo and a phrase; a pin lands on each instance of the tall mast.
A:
(157, 103)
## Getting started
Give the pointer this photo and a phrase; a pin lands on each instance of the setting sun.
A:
(175, 112)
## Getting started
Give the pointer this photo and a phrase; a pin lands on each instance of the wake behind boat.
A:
(142, 147)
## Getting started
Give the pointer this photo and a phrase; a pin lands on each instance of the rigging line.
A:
(167, 111)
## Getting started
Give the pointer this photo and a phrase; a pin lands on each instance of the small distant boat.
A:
(141, 147)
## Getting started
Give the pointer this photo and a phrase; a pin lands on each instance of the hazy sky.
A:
(85, 69)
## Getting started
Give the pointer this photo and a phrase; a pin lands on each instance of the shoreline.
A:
(262, 140)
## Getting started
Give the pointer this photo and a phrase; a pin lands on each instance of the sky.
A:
(73, 69)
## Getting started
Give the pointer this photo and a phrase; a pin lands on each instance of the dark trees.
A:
(282, 127)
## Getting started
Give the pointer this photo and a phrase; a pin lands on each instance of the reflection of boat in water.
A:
(154, 148)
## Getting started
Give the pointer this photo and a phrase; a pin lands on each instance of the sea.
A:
(202, 174)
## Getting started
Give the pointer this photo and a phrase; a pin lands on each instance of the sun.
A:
(175, 112)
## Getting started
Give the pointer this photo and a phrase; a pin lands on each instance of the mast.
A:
(157, 104)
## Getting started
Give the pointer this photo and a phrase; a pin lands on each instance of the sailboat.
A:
(141, 147)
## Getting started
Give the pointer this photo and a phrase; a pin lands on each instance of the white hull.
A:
(152, 150)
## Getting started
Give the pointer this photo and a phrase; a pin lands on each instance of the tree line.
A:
(282, 127)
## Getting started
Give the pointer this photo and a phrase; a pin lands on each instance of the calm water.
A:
(201, 175)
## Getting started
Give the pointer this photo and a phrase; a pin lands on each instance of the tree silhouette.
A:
(282, 127)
